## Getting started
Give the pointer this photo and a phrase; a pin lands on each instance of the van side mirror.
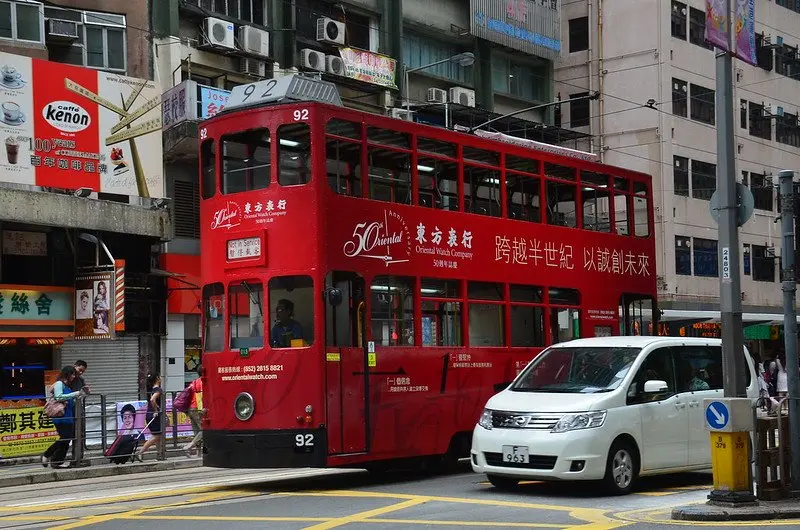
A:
(655, 387)
(334, 296)
(499, 387)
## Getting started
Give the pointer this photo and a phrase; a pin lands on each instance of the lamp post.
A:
(463, 59)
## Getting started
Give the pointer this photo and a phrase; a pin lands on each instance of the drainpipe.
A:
(590, 51)
(601, 102)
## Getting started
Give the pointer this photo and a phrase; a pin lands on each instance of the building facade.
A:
(446, 63)
(656, 113)
(83, 212)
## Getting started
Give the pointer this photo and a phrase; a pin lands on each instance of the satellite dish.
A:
(744, 204)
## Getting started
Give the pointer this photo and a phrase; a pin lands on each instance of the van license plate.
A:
(515, 454)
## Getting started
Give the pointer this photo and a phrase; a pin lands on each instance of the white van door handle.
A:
(680, 405)
(694, 404)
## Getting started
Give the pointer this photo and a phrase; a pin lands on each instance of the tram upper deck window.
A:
(294, 154)
(208, 163)
(246, 162)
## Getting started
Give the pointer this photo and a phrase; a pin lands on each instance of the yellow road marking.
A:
(650, 515)
(362, 517)
(223, 518)
(40, 518)
(465, 523)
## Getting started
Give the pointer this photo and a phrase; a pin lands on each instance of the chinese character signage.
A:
(531, 26)
(32, 303)
(18, 243)
(93, 295)
(69, 127)
(25, 431)
(178, 104)
(369, 67)
(212, 100)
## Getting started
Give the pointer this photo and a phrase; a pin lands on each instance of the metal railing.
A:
(772, 482)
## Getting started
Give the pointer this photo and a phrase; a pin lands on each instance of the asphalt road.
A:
(293, 499)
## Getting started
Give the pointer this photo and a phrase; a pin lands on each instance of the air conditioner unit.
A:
(330, 31)
(254, 67)
(334, 65)
(779, 40)
(767, 110)
(778, 111)
(313, 59)
(436, 95)
(402, 114)
(217, 32)
(61, 30)
(462, 96)
(254, 40)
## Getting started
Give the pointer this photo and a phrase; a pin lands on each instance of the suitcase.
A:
(124, 446)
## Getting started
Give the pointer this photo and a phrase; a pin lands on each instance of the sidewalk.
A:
(29, 470)
(763, 511)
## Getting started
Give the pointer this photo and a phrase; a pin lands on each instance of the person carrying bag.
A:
(60, 408)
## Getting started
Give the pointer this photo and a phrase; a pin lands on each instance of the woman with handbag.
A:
(60, 407)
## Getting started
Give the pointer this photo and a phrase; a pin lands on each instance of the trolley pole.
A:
(789, 288)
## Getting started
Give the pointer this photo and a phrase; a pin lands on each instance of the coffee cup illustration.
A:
(12, 149)
(10, 74)
(11, 111)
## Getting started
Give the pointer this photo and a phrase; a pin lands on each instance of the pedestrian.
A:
(79, 382)
(55, 455)
(154, 418)
(196, 413)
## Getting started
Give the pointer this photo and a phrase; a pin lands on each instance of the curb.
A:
(78, 473)
(754, 513)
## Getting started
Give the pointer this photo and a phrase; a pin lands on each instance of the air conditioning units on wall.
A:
(334, 65)
(254, 40)
(313, 59)
(436, 95)
(217, 32)
(402, 114)
(462, 96)
(330, 31)
(254, 67)
(61, 30)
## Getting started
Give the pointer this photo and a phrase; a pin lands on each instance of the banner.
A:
(131, 419)
(717, 13)
(369, 67)
(69, 127)
(25, 431)
(745, 20)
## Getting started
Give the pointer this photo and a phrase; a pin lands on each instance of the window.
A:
(679, 100)
(527, 316)
(680, 175)
(578, 34)
(392, 310)
(697, 27)
(760, 122)
(702, 107)
(486, 318)
(246, 308)
(357, 31)
(705, 257)
(482, 190)
(657, 367)
(291, 300)
(641, 219)
(786, 61)
(763, 264)
(214, 317)
(343, 320)
(389, 174)
(763, 52)
(208, 162)
(294, 154)
(246, 161)
(343, 157)
(787, 130)
(564, 321)
(246, 10)
(746, 259)
(101, 41)
(763, 191)
(679, 20)
(520, 79)
(523, 189)
(743, 114)
(789, 4)
(441, 312)
(622, 206)
(704, 180)
(683, 255)
(21, 20)
(420, 50)
(579, 110)
(596, 201)
(438, 183)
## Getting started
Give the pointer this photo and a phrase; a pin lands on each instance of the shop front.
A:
(183, 344)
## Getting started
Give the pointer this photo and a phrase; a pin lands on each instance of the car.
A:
(605, 408)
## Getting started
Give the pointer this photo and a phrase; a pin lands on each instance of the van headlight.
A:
(582, 420)
(486, 419)
(244, 406)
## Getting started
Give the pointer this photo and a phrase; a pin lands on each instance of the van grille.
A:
(535, 461)
(520, 420)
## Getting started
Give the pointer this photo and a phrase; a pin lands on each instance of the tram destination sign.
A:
(283, 89)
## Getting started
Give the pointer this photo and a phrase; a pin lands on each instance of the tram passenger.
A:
(286, 328)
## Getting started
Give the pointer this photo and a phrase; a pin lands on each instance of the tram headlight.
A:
(244, 406)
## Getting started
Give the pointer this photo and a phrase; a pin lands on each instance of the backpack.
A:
(183, 400)
(53, 408)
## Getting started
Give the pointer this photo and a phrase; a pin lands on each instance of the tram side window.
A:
(523, 198)
(482, 190)
(208, 161)
(214, 317)
(392, 310)
(486, 317)
(343, 157)
(246, 310)
(561, 195)
(389, 175)
(246, 161)
(438, 183)
(596, 196)
(343, 320)
(640, 206)
(564, 321)
(291, 300)
(441, 312)
(527, 316)
(621, 206)
(294, 154)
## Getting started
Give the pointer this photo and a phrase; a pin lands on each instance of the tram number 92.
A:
(304, 443)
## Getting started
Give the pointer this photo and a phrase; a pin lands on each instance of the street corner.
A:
(700, 514)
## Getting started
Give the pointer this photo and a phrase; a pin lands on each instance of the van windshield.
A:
(576, 370)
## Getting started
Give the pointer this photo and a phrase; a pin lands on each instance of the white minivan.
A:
(604, 408)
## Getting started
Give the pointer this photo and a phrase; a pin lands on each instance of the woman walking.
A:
(65, 425)
(196, 413)
(154, 417)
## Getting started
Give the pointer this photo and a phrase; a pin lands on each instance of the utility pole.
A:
(789, 287)
(733, 379)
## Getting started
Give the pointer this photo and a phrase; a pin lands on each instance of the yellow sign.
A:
(372, 360)
(332, 357)
(24, 432)
(730, 460)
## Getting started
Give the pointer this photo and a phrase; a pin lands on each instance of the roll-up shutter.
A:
(113, 365)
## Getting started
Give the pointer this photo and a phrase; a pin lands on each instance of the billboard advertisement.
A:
(93, 294)
(69, 127)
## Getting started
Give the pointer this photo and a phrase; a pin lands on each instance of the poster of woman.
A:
(83, 310)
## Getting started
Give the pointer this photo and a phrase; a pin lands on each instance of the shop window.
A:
(763, 191)
(441, 312)
(704, 180)
(291, 300)
(527, 319)
(392, 310)
(523, 197)
(579, 110)
(679, 12)
(641, 200)
(246, 314)
(697, 28)
(482, 190)
(389, 175)
(561, 203)
(208, 161)
(705, 257)
(702, 105)
(343, 157)
(763, 264)
(679, 99)
(760, 125)
(578, 34)
(680, 175)
(683, 255)
(214, 317)
(22, 369)
(294, 154)
(438, 183)
(246, 161)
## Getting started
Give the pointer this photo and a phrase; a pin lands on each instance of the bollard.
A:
(729, 422)
(80, 434)
(162, 444)
(103, 428)
(174, 424)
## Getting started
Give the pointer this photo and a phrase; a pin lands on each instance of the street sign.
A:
(745, 203)
(717, 415)
(726, 263)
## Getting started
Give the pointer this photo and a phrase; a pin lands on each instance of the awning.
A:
(747, 318)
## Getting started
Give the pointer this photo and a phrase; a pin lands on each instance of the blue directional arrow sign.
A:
(717, 415)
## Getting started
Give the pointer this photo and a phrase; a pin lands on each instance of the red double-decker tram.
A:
(368, 282)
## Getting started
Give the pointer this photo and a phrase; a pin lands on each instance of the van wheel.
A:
(622, 468)
(503, 483)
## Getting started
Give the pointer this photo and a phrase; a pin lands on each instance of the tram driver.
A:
(286, 328)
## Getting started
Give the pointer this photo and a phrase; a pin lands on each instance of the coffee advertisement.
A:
(69, 127)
